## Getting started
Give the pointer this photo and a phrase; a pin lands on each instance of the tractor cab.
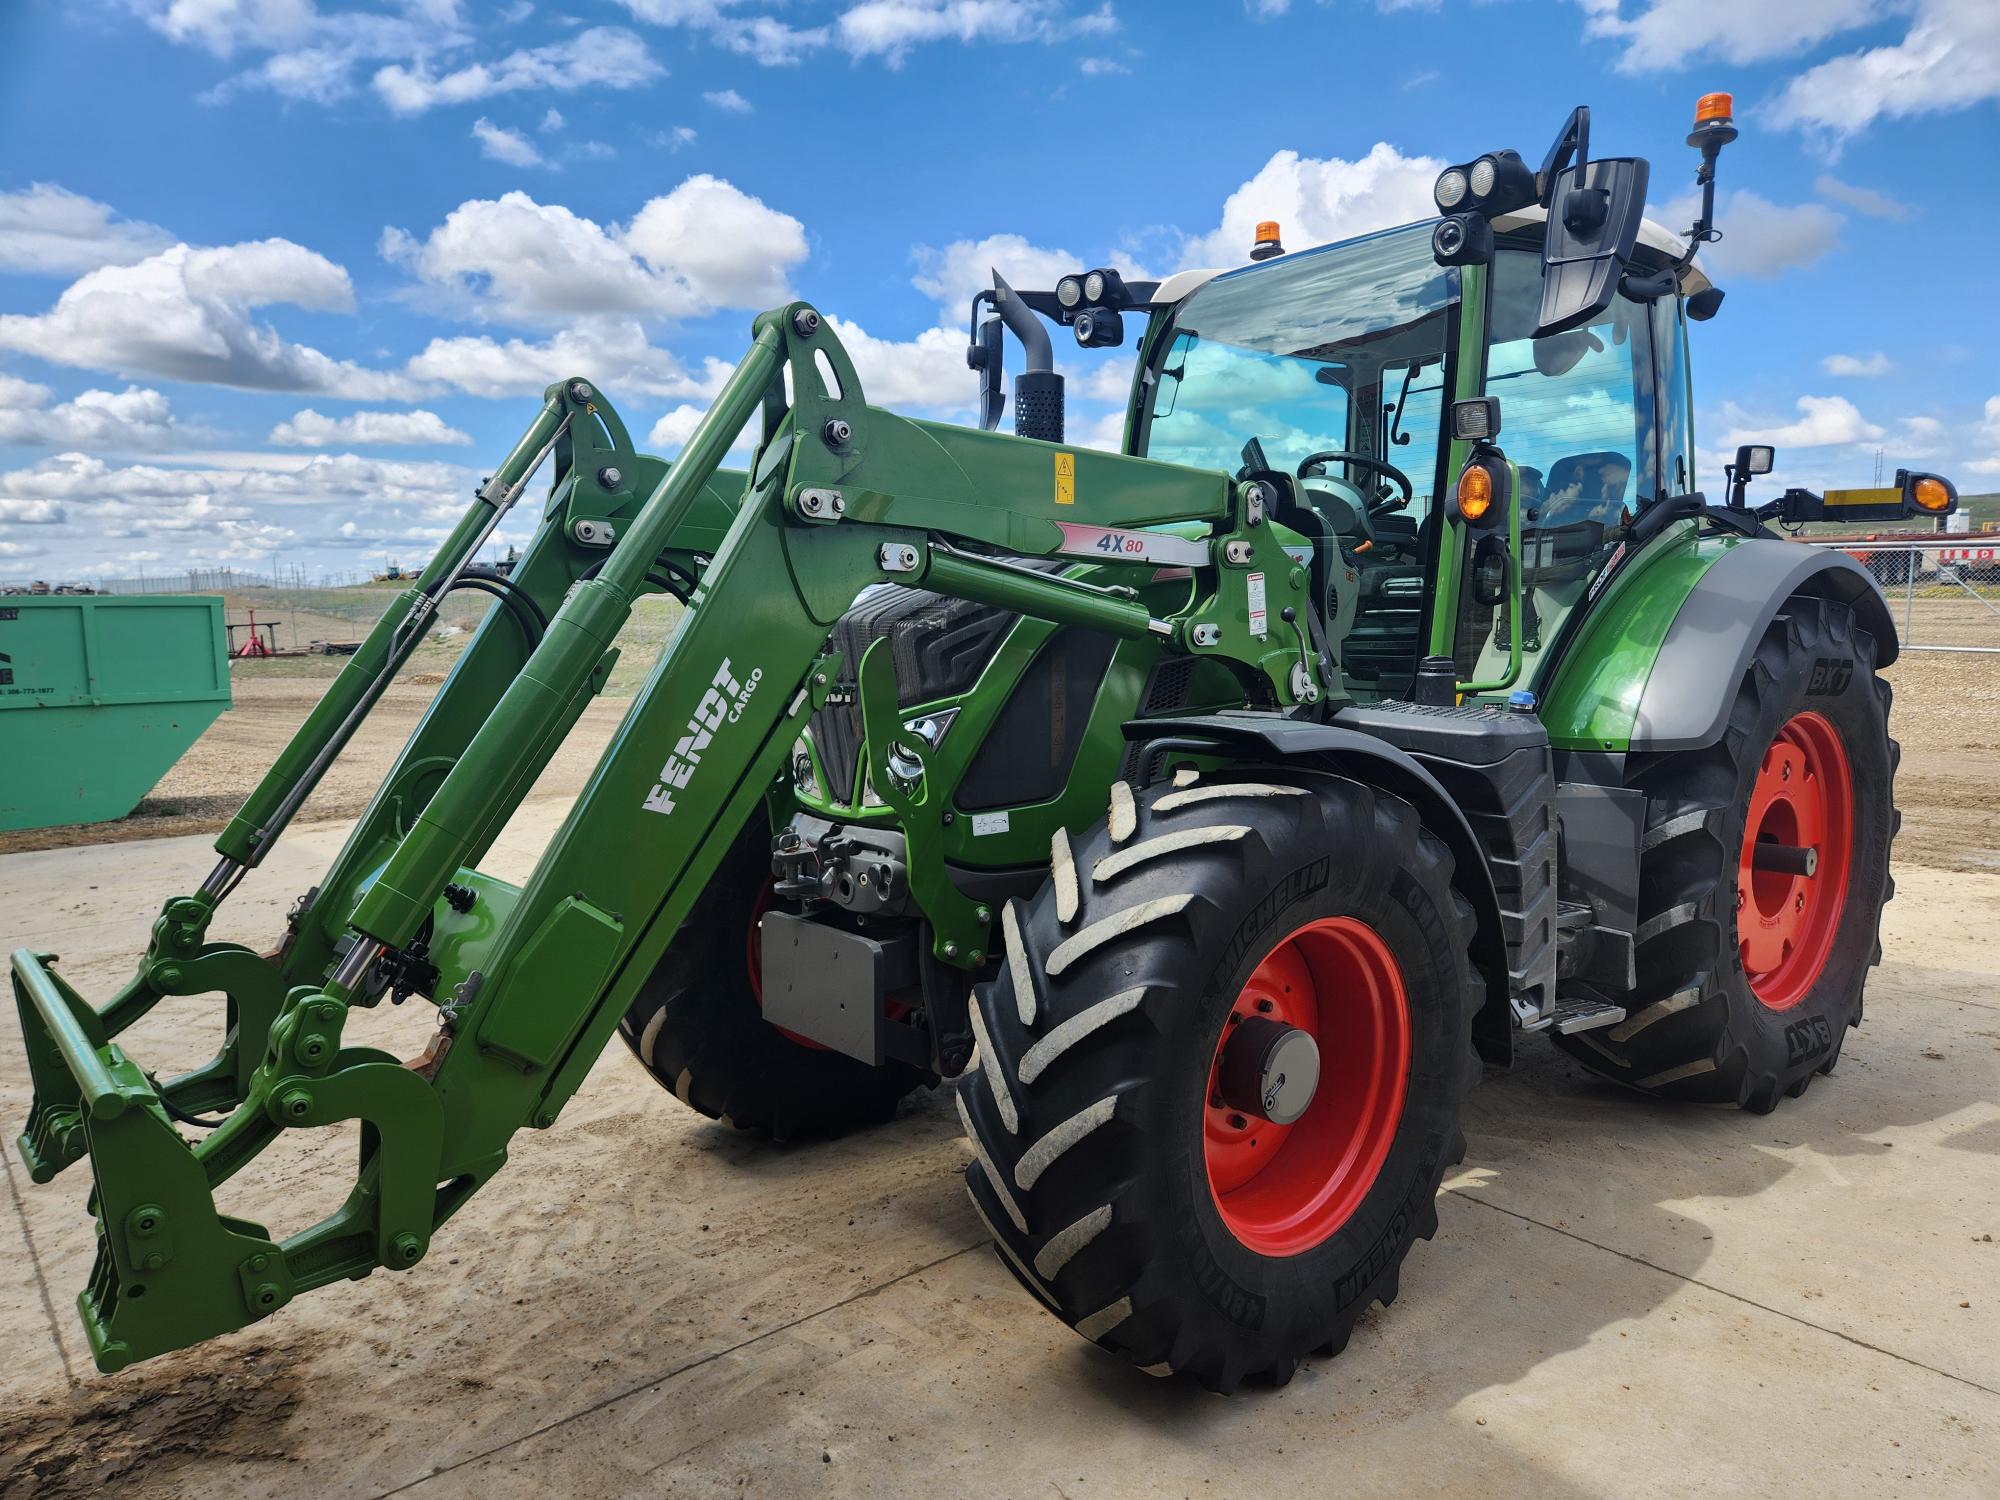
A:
(1331, 374)
(1333, 369)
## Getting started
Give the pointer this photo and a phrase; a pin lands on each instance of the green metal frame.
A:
(533, 981)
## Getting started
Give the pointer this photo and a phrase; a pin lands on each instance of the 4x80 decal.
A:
(724, 702)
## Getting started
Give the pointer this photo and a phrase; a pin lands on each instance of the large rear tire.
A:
(1749, 976)
(698, 1026)
(1123, 1188)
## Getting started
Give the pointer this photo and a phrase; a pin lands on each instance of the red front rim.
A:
(1282, 1189)
(1786, 923)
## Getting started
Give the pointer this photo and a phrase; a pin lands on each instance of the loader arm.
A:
(530, 983)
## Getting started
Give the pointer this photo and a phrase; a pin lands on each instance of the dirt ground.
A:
(1624, 1297)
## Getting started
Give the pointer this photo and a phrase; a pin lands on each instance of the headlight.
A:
(1069, 291)
(805, 780)
(1451, 189)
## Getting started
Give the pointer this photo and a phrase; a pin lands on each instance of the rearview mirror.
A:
(1594, 213)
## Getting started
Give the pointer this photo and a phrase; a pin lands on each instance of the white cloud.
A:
(926, 373)
(215, 514)
(500, 144)
(1857, 366)
(1949, 59)
(729, 102)
(705, 245)
(553, 120)
(225, 26)
(1759, 238)
(600, 57)
(1919, 437)
(890, 28)
(1861, 199)
(310, 54)
(132, 418)
(1315, 201)
(887, 29)
(671, 432)
(1989, 436)
(1667, 33)
(612, 351)
(1824, 420)
(308, 429)
(951, 275)
(31, 513)
(48, 230)
(186, 314)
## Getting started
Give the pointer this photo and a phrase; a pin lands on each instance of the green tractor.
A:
(1207, 810)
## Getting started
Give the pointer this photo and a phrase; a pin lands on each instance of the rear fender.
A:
(1657, 664)
(1270, 739)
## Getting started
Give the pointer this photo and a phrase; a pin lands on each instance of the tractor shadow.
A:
(1582, 1207)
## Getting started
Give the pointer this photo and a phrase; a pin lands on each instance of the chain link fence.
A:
(1944, 593)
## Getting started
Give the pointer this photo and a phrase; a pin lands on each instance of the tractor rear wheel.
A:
(1221, 1073)
(1763, 872)
(698, 1027)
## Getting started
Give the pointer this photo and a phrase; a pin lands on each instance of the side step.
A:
(1576, 1013)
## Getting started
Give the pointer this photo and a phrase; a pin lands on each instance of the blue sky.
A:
(280, 279)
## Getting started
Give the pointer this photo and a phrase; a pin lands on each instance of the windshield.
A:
(1340, 351)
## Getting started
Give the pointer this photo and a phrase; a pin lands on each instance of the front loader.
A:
(1204, 809)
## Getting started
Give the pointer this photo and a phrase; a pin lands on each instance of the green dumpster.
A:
(99, 696)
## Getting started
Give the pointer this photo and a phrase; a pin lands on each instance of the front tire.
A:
(1152, 1214)
(1749, 976)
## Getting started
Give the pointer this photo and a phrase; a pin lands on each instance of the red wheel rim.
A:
(1786, 923)
(1282, 1189)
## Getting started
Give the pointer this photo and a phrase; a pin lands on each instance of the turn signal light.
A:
(1475, 494)
(1931, 494)
(1710, 107)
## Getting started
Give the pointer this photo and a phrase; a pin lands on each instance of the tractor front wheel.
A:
(1220, 1076)
(698, 1026)
(1763, 871)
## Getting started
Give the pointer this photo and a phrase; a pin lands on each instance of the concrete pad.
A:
(1623, 1296)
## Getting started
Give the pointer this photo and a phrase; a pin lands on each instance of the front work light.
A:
(1069, 291)
(1497, 183)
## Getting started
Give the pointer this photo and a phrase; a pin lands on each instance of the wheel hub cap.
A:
(1269, 1069)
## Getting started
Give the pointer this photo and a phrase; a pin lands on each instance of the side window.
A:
(1577, 418)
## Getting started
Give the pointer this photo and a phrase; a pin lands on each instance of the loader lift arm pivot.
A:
(531, 982)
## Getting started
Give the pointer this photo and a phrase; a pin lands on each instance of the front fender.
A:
(1272, 739)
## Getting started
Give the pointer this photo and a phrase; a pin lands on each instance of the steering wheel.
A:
(1377, 505)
